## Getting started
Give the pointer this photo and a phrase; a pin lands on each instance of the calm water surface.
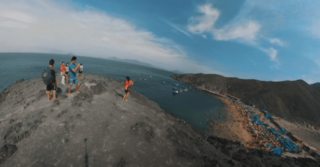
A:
(196, 108)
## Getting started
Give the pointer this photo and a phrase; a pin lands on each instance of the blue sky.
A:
(261, 39)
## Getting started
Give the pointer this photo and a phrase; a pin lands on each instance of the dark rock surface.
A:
(291, 100)
(96, 128)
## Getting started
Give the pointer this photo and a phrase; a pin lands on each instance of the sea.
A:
(193, 106)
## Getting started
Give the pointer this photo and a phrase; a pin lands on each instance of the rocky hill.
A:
(291, 100)
(96, 128)
(315, 85)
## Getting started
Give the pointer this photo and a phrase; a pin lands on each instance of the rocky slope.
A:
(291, 100)
(97, 128)
(315, 85)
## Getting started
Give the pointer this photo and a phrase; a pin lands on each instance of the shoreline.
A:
(236, 128)
(231, 128)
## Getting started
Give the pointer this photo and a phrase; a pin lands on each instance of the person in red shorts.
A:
(128, 88)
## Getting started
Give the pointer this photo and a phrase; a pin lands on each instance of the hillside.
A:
(96, 128)
(291, 100)
(315, 85)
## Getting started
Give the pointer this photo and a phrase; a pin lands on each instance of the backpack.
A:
(47, 77)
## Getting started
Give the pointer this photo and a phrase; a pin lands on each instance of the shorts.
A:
(73, 81)
(51, 87)
(80, 72)
(128, 90)
(67, 73)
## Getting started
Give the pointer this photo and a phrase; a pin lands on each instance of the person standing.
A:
(52, 86)
(80, 70)
(63, 73)
(73, 68)
(67, 72)
(128, 88)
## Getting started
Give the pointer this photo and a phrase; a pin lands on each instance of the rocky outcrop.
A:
(291, 100)
(97, 128)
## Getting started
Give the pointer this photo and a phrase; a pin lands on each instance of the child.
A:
(128, 88)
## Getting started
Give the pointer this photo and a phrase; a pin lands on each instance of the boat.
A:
(174, 88)
(163, 82)
(175, 92)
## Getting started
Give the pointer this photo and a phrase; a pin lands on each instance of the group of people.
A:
(69, 75)
(65, 72)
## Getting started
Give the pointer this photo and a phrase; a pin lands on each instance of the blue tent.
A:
(277, 151)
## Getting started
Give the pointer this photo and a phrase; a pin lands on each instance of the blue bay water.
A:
(196, 108)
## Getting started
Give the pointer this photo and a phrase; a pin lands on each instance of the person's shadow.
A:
(119, 94)
(86, 158)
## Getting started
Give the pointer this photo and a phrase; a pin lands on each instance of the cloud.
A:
(272, 53)
(276, 41)
(179, 28)
(204, 23)
(244, 31)
(314, 28)
(47, 27)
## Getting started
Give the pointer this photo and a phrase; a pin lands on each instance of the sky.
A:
(268, 40)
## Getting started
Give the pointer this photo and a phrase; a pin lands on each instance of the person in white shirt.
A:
(63, 73)
(80, 70)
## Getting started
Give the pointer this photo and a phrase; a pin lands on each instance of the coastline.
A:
(232, 128)
(236, 128)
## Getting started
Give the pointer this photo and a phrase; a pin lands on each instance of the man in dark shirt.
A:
(53, 85)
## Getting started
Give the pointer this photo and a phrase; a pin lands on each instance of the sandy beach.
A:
(238, 127)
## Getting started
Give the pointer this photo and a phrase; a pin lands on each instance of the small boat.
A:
(174, 88)
(163, 82)
(185, 89)
(180, 91)
(144, 79)
(175, 92)
(175, 84)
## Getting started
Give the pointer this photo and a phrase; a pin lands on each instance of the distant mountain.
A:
(291, 100)
(316, 85)
(132, 61)
(177, 72)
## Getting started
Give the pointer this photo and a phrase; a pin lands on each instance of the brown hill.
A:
(291, 100)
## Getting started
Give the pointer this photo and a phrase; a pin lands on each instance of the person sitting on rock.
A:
(73, 68)
(128, 88)
(80, 70)
(52, 86)
(63, 73)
